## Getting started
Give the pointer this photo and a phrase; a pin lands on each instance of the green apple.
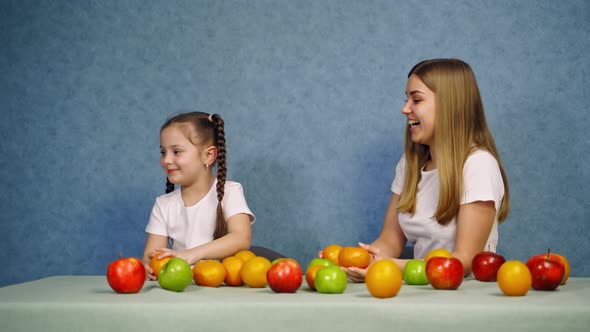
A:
(415, 272)
(319, 261)
(176, 275)
(330, 279)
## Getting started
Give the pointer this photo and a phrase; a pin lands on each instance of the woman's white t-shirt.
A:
(191, 226)
(482, 181)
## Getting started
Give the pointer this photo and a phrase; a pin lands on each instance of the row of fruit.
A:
(383, 278)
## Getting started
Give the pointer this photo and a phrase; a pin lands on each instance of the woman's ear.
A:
(210, 155)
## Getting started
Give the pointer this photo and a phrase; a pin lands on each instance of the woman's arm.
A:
(389, 244)
(474, 224)
(391, 240)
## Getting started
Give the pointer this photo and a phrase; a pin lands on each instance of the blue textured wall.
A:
(311, 93)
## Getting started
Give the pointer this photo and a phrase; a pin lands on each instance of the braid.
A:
(169, 186)
(221, 226)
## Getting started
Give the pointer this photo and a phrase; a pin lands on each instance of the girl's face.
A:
(420, 109)
(180, 159)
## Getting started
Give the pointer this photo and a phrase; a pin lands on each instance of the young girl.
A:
(450, 189)
(207, 217)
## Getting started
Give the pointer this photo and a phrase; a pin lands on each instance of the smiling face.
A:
(420, 109)
(182, 161)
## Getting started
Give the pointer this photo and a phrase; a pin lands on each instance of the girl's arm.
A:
(389, 244)
(474, 224)
(238, 237)
(152, 243)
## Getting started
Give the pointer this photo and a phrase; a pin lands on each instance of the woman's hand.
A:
(356, 274)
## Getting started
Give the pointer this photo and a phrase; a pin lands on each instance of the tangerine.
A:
(209, 273)
(310, 275)
(157, 264)
(233, 265)
(383, 279)
(253, 273)
(331, 252)
(514, 278)
(354, 256)
(246, 255)
(439, 252)
(566, 266)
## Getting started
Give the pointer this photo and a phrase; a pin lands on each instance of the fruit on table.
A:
(444, 273)
(415, 272)
(331, 280)
(485, 265)
(311, 274)
(562, 259)
(246, 255)
(566, 265)
(156, 263)
(233, 265)
(176, 275)
(332, 252)
(514, 278)
(320, 261)
(209, 273)
(384, 279)
(439, 252)
(354, 257)
(547, 272)
(253, 272)
(313, 267)
(126, 275)
(284, 276)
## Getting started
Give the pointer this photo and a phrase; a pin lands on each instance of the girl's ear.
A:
(210, 155)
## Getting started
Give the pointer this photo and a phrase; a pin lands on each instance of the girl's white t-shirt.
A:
(482, 181)
(194, 225)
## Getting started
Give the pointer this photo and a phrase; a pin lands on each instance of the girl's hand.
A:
(149, 273)
(165, 252)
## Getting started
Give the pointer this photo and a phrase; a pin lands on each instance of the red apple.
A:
(554, 257)
(485, 265)
(126, 275)
(285, 276)
(444, 273)
(547, 271)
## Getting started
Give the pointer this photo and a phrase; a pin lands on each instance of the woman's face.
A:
(420, 109)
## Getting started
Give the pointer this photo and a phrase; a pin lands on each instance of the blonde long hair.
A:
(460, 128)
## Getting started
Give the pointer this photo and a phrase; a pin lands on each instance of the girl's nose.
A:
(167, 159)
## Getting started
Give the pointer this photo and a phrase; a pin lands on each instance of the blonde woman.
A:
(450, 189)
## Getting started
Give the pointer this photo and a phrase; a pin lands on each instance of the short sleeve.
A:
(482, 179)
(234, 202)
(398, 181)
(157, 223)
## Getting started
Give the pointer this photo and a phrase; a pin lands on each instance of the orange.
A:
(566, 266)
(157, 264)
(209, 273)
(331, 252)
(440, 252)
(246, 255)
(310, 275)
(253, 273)
(233, 265)
(514, 278)
(354, 256)
(383, 278)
